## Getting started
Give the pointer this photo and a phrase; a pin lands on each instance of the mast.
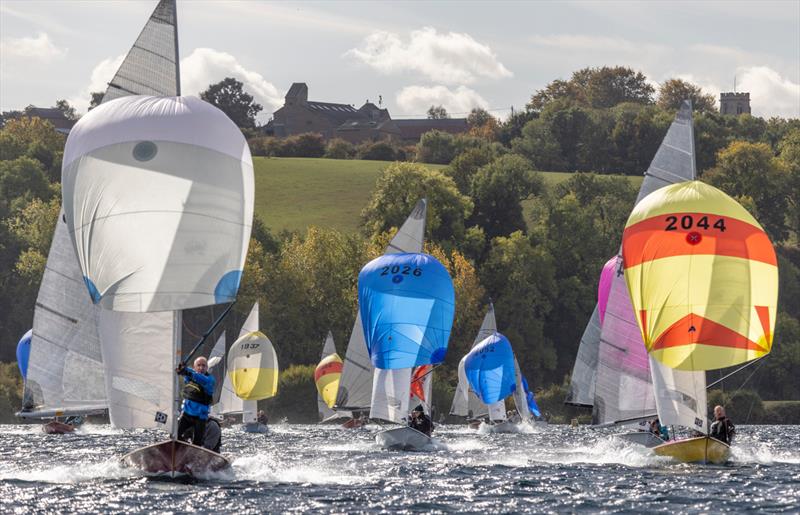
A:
(177, 338)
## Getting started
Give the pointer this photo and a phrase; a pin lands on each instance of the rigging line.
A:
(736, 371)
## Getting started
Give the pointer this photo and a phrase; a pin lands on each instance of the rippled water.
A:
(316, 468)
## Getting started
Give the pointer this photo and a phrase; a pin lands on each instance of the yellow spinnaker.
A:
(326, 377)
(703, 278)
(253, 367)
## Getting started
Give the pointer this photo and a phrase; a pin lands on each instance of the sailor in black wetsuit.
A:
(722, 428)
(420, 421)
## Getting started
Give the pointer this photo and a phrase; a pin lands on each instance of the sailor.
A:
(262, 417)
(657, 429)
(198, 393)
(213, 435)
(420, 421)
(722, 428)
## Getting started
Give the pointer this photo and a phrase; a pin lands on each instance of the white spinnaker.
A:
(520, 397)
(680, 396)
(65, 367)
(390, 394)
(138, 354)
(465, 402)
(327, 349)
(158, 194)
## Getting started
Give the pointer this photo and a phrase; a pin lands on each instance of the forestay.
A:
(158, 195)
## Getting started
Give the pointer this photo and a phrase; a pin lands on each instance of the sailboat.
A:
(356, 396)
(467, 404)
(492, 374)
(407, 304)
(703, 278)
(326, 378)
(66, 359)
(252, 369)
(612, 372)
(158, 198)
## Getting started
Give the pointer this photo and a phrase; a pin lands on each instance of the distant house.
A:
(50, 114)
(367, 123)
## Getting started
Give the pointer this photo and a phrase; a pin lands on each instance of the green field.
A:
(293, 193)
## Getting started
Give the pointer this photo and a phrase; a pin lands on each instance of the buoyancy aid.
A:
(194, 391)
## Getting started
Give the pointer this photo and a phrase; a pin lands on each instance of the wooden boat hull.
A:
(55, 427)
(353, 423)
(403, 439)
(645, 438)
(702, 449)
(174, 458)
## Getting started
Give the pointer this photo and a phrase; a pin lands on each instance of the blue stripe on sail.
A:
(93, 293)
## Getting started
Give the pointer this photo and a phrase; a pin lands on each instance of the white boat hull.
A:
(403, 439)
(174, 458)
(645, 438)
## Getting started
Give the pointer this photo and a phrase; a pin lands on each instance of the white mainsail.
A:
(520, 396)
(65, 368)
(389, 386)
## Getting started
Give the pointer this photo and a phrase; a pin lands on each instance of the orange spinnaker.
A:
(418, 381)
(326, 377)
(703, 277)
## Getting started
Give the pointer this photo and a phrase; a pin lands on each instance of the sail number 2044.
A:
(688, 222)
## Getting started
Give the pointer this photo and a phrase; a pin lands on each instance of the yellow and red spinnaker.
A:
(326, 377)
(418, 381)
(703, 278)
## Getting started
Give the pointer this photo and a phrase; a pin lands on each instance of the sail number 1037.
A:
(688, 222)
(397, 269)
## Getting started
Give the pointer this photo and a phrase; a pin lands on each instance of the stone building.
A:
(367, 123)
(734, 103)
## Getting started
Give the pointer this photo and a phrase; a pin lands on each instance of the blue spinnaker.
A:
(23, 353)
(490, 369)
(407, 304)
(531, 400)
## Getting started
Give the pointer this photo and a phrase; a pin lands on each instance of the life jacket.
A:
(194, 391)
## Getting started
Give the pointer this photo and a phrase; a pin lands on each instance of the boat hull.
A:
(702, 449)
(254, 427)
(645, 438)
(174, 458)
(403, 439)
(55, 427)
(353, 423)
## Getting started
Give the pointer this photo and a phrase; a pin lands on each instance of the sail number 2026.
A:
(406, 270)
(689, 221)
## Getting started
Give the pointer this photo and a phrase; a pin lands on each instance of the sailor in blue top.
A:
(198, 393)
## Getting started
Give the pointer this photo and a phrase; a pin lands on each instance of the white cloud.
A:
(102, 74)
(770, 94)
(452, 58)
(585, 42)
(40, 47)
(417, 99)
(205, 66)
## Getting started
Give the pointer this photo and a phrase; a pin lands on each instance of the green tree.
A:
(672, 93)
(467, 163)
(750, 170)
(229, 96)
(437, 113)
(539, 145)
(96, 100)
(436, 147)
(596, 87)
(69, 111)
(398, 189)
(478, 117)
(790, 155)
(338, 148)
(33, 227)
(498, 190)
(21, 180)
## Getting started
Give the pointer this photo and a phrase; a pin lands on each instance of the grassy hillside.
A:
(293, 193)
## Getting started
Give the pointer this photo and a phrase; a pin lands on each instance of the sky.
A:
(410, 55)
